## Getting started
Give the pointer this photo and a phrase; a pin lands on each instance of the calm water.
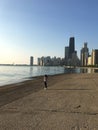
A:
(14, 74)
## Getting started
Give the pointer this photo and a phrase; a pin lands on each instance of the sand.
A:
(69, 103)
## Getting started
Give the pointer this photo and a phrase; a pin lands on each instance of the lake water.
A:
(14, 74)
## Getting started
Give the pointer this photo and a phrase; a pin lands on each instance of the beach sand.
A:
(69, 103)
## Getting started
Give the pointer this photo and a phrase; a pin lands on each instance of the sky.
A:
(43, 27)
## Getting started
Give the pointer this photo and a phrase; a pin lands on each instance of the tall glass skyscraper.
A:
(71, 46)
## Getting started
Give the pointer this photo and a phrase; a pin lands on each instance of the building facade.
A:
(94, 57)
(89, 61)
(66, 52)
(84, 55)
(31, 61)
(48, 61)
(71, 58)
(71, 46)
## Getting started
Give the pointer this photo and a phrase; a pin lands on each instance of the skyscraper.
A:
(66, 52)
(31, 60)
(84, 55)
(94, 57)
(71, 46)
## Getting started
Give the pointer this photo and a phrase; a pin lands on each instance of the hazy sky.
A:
(43, 28)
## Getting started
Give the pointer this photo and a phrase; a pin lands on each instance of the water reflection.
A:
(42, 70)
(31, 71)
(9, 74)
(80, 70)
(92, 70)
(95, 70)
(84, 70)
(88, 70)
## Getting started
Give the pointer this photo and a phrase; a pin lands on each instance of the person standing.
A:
(45, 81)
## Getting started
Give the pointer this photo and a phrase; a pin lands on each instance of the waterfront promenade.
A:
(69, 103)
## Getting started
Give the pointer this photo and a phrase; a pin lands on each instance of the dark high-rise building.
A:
(71, 46)
(66, 52)
(31, 60)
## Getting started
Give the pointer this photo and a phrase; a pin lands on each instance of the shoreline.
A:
(25, 80)
(28, 79)
(35, 84)
(15, 91)
(13, 81)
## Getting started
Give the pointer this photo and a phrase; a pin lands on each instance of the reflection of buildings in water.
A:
(92, 70)
(75, 70)
(89, 70)
(95, 70)
(46, 70)
(67, 70)
(80, 70)
(31, 71)
(70, 70)
(83, 70)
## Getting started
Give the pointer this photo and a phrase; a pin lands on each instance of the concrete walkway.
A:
(69, 103)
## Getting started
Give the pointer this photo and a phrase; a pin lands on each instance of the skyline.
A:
(43, 28)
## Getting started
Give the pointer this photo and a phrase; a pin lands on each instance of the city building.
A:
(42, 61)
(38, 61)
(74, 59)
(94, 57)
(56, 61)
(71, 46)
(48, 61)
(84, 55)
(89, 60)
(71, 58)
(31, 61)
(66, 52)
